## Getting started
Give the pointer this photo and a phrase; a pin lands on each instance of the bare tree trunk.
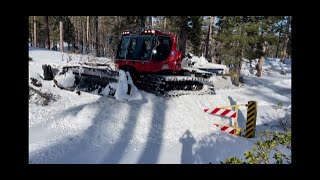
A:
(261, 60)
(83, 35)
(285, 54)
(78, 29)
(97, 36)
(165, 23)
(142, 22)
(119, 26)
(87, 34)
(68, 39)
(183, 41)
(208, 37)
(30, 34)
(237, 65)
(265, 46)
(183, 35)
(259, 66)
(150, 21)
(213, 52)
(213, 44)
(34, 31)
(102, 44)
(30, 31)
(46, 26)
(279, 40)
(61, 36)
(237, 72)
(210, 43)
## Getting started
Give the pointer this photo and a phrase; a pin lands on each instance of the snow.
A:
(122, 88)
(144, 128)
(202, 63)
(110, 87)
(134, 92)
(56, 58)
(66, 80)
(287, 61)
(222, 82)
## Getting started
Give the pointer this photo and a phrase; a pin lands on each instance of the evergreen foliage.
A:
(262, 150)
(235, 36)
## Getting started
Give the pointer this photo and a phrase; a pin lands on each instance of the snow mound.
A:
(109, 89)
(66, 80)
(222, 82)
(122, 88)
(202, 63)
(134, 94)
(199, 61)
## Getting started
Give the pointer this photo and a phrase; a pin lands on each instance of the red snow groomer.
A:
(149, 51)
(154, 63)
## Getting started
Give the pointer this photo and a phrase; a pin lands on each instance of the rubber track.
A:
(174, 86)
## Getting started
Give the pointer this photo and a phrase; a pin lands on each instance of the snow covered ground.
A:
(91, 129)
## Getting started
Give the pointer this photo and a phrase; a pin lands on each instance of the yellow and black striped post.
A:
(251, 119)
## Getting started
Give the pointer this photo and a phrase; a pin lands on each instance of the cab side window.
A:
(163, 48)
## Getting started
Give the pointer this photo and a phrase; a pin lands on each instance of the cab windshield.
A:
(135, 47)
(144, 47)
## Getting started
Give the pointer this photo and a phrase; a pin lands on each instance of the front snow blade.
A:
(91, 79)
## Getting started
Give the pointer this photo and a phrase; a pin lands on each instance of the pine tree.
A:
(263, 42)
(150, 22)
(142, 22)
(179, 25)
(88, 38)
(96, 25)
(279, 37)
(210, 46)
(30, 30)
(47, 36)
(209, 37)
(195, 34)
(35, 31)
(61, 36)
(286, 38)
(244, 36)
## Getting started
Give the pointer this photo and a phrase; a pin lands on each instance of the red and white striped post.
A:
(222, 112)
(227, 129)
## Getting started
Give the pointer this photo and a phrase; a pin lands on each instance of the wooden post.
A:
(235, 120)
